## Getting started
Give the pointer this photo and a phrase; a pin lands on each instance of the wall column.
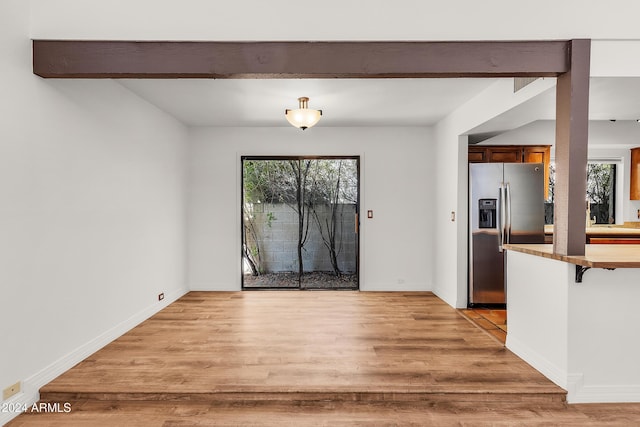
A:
(572, 128)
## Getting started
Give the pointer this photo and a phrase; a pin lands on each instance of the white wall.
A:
(333, 20)
(583, 336)
(615, 58)
(450, 281)
(603, 360)
(92, 213)
(538, 302)
(397, 183)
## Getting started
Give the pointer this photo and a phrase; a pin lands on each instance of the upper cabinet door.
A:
(495, 154)
(537, 154)
(477, 155)
(506, 154)
(635, 174)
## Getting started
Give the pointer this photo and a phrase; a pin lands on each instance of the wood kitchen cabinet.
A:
(505, 155)
(518, 154)
(635, 174)
(495, 154)
(477, 155)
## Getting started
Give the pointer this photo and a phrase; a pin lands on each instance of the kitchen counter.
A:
(603, 234)
(586, 340)
(596, 256)
(604, 230)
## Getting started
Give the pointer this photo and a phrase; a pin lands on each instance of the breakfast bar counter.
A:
(604, 234)
(596, 256)
(579, 329)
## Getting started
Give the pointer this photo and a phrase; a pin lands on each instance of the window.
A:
(601, 191)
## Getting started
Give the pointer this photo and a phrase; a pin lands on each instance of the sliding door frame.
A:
(356, 157)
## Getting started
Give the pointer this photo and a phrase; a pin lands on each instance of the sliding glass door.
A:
(300, 222)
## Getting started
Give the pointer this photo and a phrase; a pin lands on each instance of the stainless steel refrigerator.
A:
(506, 205)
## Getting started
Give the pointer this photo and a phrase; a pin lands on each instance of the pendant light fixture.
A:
(303, 117)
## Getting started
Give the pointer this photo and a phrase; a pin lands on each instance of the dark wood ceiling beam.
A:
(151, 59)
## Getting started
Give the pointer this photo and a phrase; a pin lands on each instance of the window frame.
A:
(618, 183)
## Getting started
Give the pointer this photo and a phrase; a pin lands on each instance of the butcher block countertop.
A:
(604, 230)
(596, 256)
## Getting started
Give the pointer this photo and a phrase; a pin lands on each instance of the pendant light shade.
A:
(303, 117)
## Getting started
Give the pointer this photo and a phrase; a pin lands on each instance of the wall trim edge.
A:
(579, 393)
(538, 362)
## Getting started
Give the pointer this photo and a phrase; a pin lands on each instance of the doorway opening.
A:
(300, 222)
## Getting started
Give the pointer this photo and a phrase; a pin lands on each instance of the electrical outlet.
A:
(160, 296)
(638, 213)
(11, 390)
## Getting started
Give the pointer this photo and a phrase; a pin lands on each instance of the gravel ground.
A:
(312, 280)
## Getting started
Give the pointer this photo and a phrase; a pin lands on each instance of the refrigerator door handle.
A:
(507, 209)
(501, 213)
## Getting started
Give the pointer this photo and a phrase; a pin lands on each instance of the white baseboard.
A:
(579, 393)
(31, 386)
(215, 287)
(540, 363)
(370, 287)
(386, 287)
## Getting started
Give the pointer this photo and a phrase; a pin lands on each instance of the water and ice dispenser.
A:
(487, 213)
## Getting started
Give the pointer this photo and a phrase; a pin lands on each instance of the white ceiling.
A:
(344, 102)
(363, 102)
(603, 134)
(610, 98)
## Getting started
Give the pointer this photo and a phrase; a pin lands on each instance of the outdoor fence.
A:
(276, 227)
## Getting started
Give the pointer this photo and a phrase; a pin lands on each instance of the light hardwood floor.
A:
(311, 358)
(492, 321)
